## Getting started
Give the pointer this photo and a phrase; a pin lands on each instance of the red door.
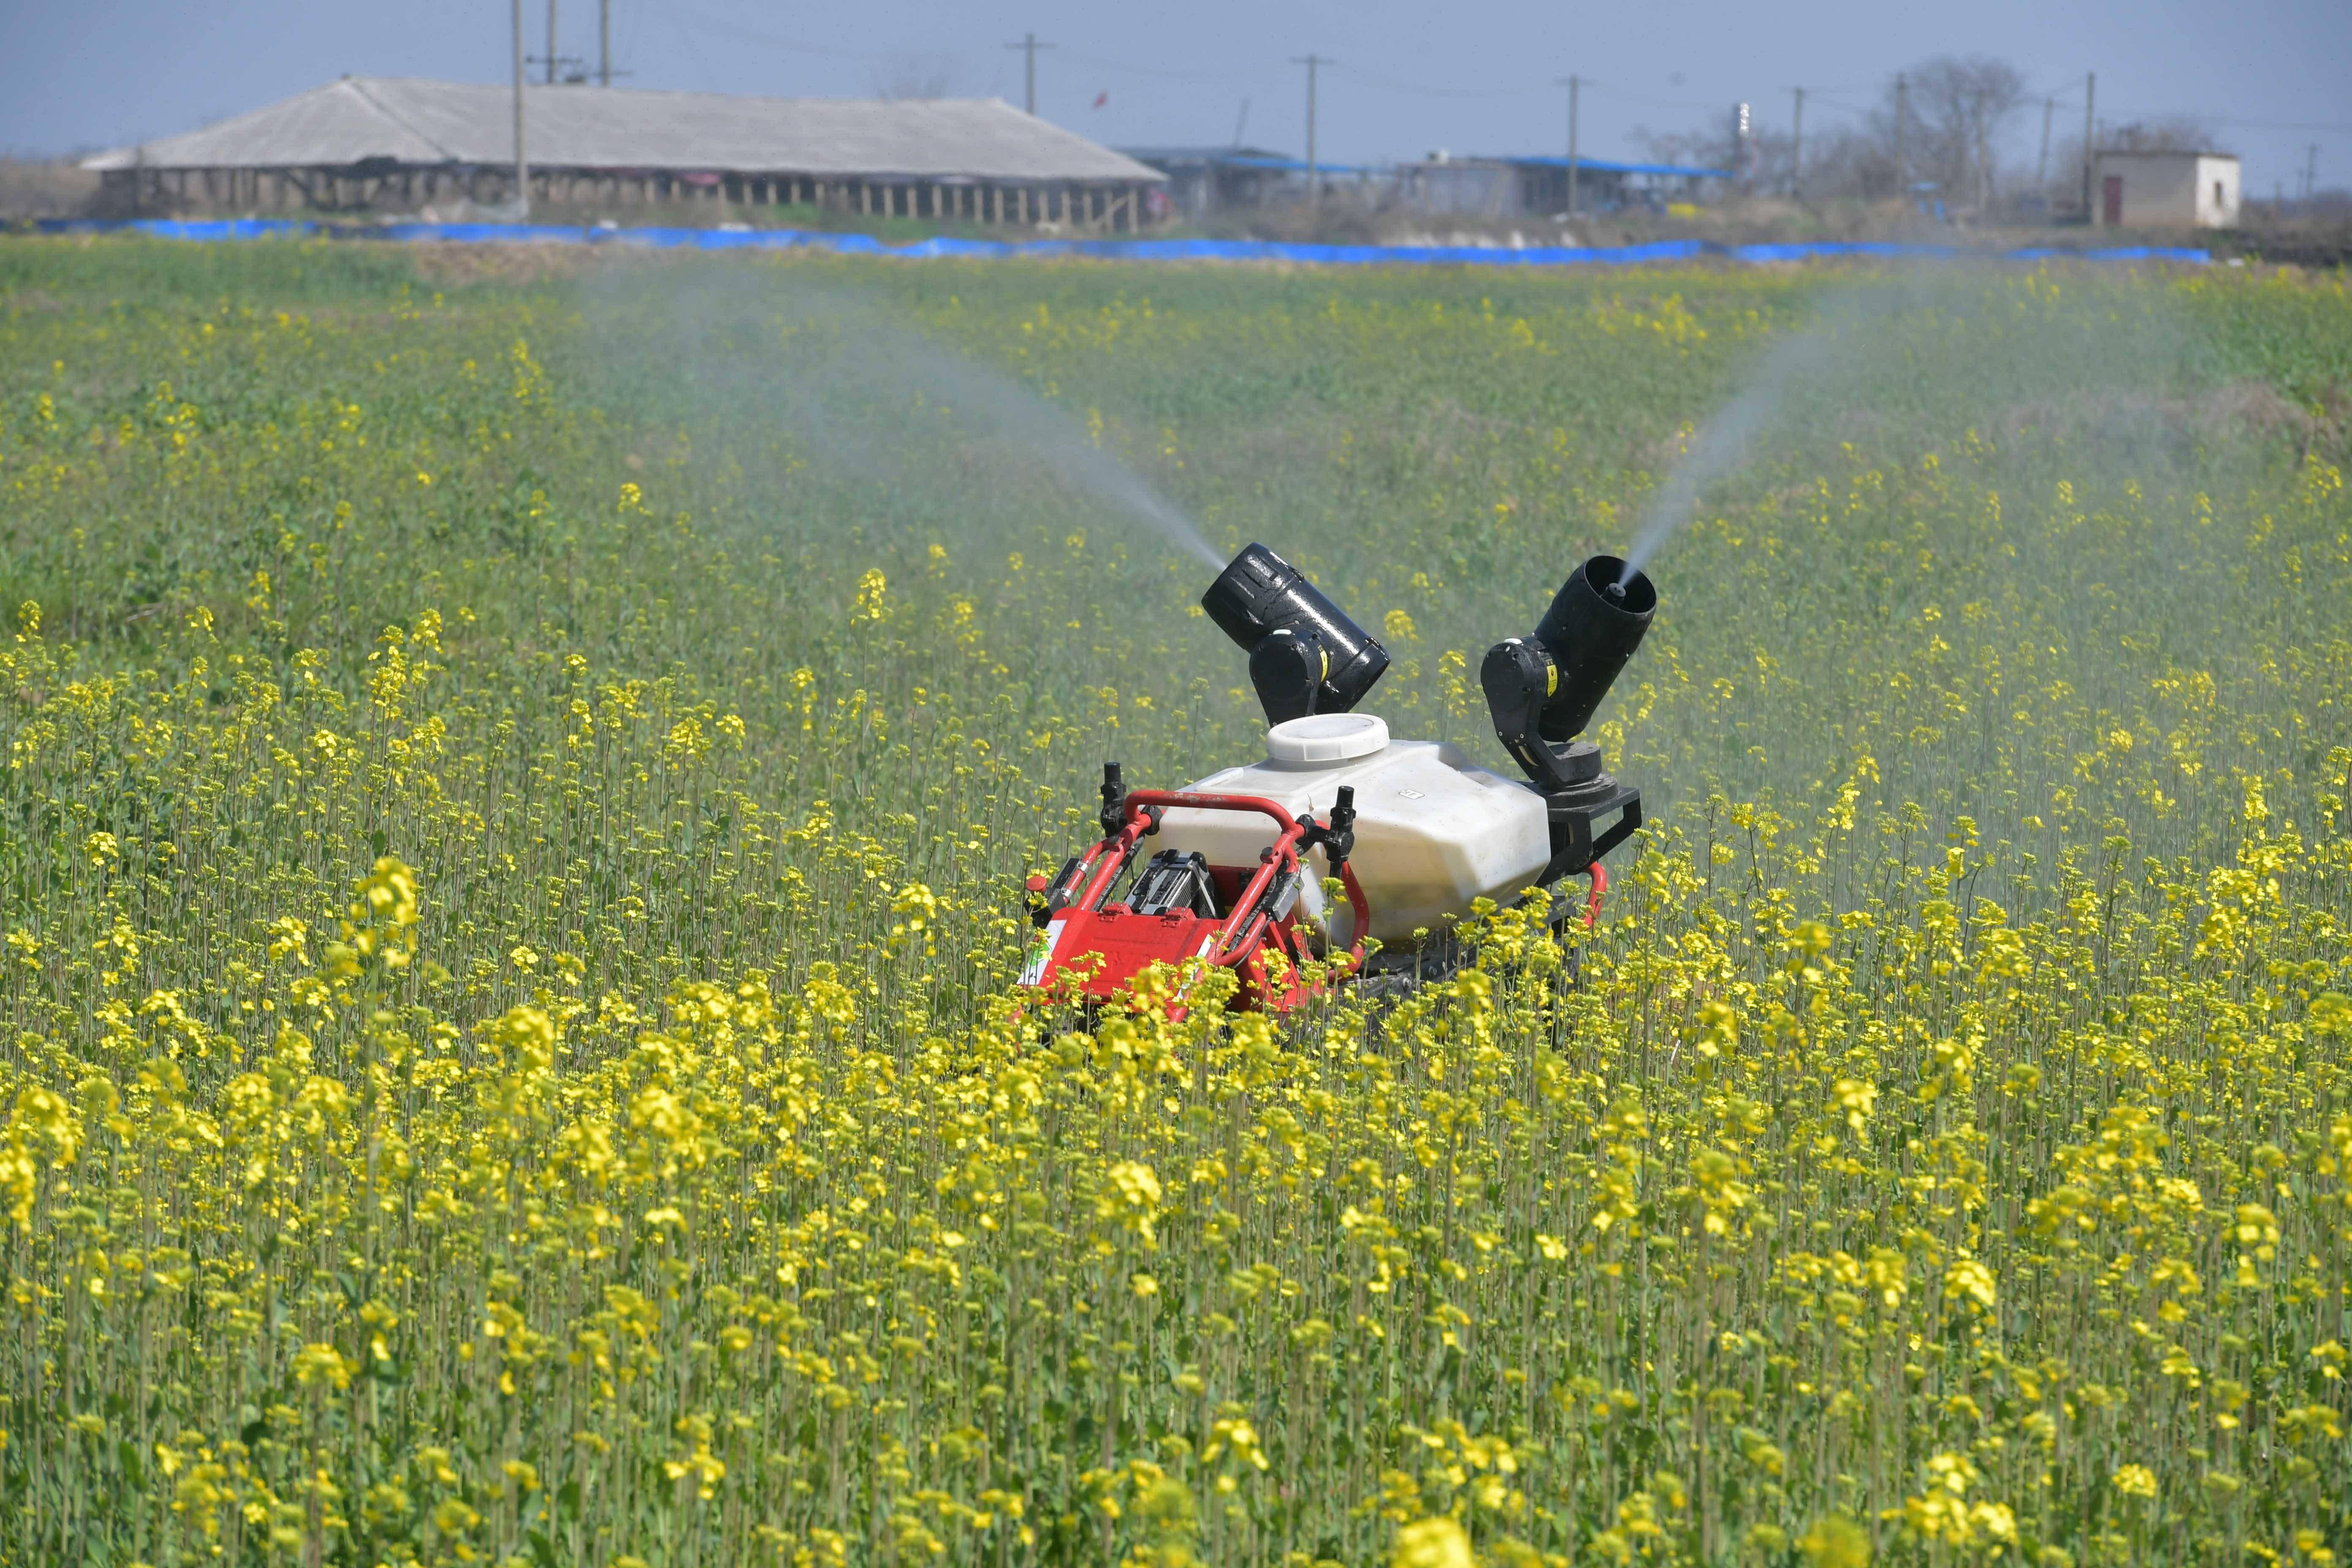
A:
(2111, 202)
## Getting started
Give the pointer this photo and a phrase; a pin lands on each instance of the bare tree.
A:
(1954, 110)
(1960, 106)
(1854, 162)
(2177, 134)
(1760, 161)
(914, 76)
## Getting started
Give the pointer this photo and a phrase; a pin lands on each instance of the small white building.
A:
(2165, 190)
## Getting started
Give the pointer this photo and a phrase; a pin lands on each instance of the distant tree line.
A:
(1937, 132)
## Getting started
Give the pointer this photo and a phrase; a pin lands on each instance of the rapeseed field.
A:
(518, 781)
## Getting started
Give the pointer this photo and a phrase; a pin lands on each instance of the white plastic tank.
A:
(1432, 831)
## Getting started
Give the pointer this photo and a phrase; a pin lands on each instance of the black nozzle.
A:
(1542, 688)
(1113, 817)
(1306, 656)
(1596, 621)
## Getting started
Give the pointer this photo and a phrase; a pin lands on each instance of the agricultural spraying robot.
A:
(1412, 831)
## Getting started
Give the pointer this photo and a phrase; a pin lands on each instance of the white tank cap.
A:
(1326, 738)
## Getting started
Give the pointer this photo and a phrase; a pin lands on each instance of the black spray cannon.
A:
(1542, 689)
(1305, 655)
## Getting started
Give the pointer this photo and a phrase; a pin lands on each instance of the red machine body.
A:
(1258, 935)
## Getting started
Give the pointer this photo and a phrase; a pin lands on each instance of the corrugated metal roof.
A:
(1161, 157)
(1287, 165)
(411, 120)
(1611, 166)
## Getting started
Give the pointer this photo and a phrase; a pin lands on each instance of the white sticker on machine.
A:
(1041, 951)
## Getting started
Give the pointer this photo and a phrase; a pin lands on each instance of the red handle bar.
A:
(1230, 948)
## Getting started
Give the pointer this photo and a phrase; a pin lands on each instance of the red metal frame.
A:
(1242, 941)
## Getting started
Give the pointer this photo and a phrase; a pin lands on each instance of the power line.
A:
(1813, 95)
(1410, 90)
(1832, 99)
(2233, 120)
(1622, 96)
(769, 40)
(1102, 62)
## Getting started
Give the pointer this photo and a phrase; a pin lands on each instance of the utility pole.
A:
(1029, 45)
(522, 163)
(2311, 171)
(2090, 158)
(1797, 149)
(551, 43)
(1902, 119)
(1313, 176)
(1984, 160)
(605, 43)
(1572, 84)
(2042, 169)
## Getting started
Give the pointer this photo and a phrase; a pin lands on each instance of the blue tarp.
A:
(1107, 250)
(1290, 165)
(1611, 166)
(184, 229)
(2119, 253)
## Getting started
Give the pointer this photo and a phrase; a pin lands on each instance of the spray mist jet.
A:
(1543, 688)
(1305, 655)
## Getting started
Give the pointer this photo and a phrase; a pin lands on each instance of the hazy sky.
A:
(1470, 78)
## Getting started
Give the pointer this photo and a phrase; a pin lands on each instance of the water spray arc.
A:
(852, 386)
(1850, 325)
(1721, 446)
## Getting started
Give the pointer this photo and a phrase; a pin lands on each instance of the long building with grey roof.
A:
(393, 144)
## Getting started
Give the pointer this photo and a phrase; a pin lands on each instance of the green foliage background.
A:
(1943, 1155)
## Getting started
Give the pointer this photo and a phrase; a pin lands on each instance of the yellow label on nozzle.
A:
(1551, 677)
